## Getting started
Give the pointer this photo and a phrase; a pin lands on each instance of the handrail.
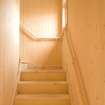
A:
(77, 69)
(27, 32)
(34, 37)
(76, 63)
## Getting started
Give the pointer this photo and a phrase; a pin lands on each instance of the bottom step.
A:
(42, 99)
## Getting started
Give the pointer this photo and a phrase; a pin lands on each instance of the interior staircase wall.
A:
(41, 53)
(9, 49)
(41, 18)
(67, 62)
(86, 27)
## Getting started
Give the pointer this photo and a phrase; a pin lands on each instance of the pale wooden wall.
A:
(9, 49)
(86, 25)
(43, 17)
(41, 53)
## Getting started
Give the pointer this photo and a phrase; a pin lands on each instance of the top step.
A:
(43, 75)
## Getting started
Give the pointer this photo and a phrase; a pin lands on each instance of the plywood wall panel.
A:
(9, 49)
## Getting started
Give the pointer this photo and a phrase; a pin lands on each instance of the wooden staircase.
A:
(42, 87)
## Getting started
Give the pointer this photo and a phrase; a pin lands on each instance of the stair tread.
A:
(42, 82)
(43, 76)
(43, 99)
(42, 87)
(43, 71)
(42, 95)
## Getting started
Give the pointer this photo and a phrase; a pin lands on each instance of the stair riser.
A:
(42, 102)
(35, 88)
(32, 76)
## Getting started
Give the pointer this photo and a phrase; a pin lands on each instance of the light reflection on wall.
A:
(63, 18)
(43, 20)
(64, 14)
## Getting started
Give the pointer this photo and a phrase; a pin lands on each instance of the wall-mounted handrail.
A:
(77, 69)
(27, 32)
(76, 64)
